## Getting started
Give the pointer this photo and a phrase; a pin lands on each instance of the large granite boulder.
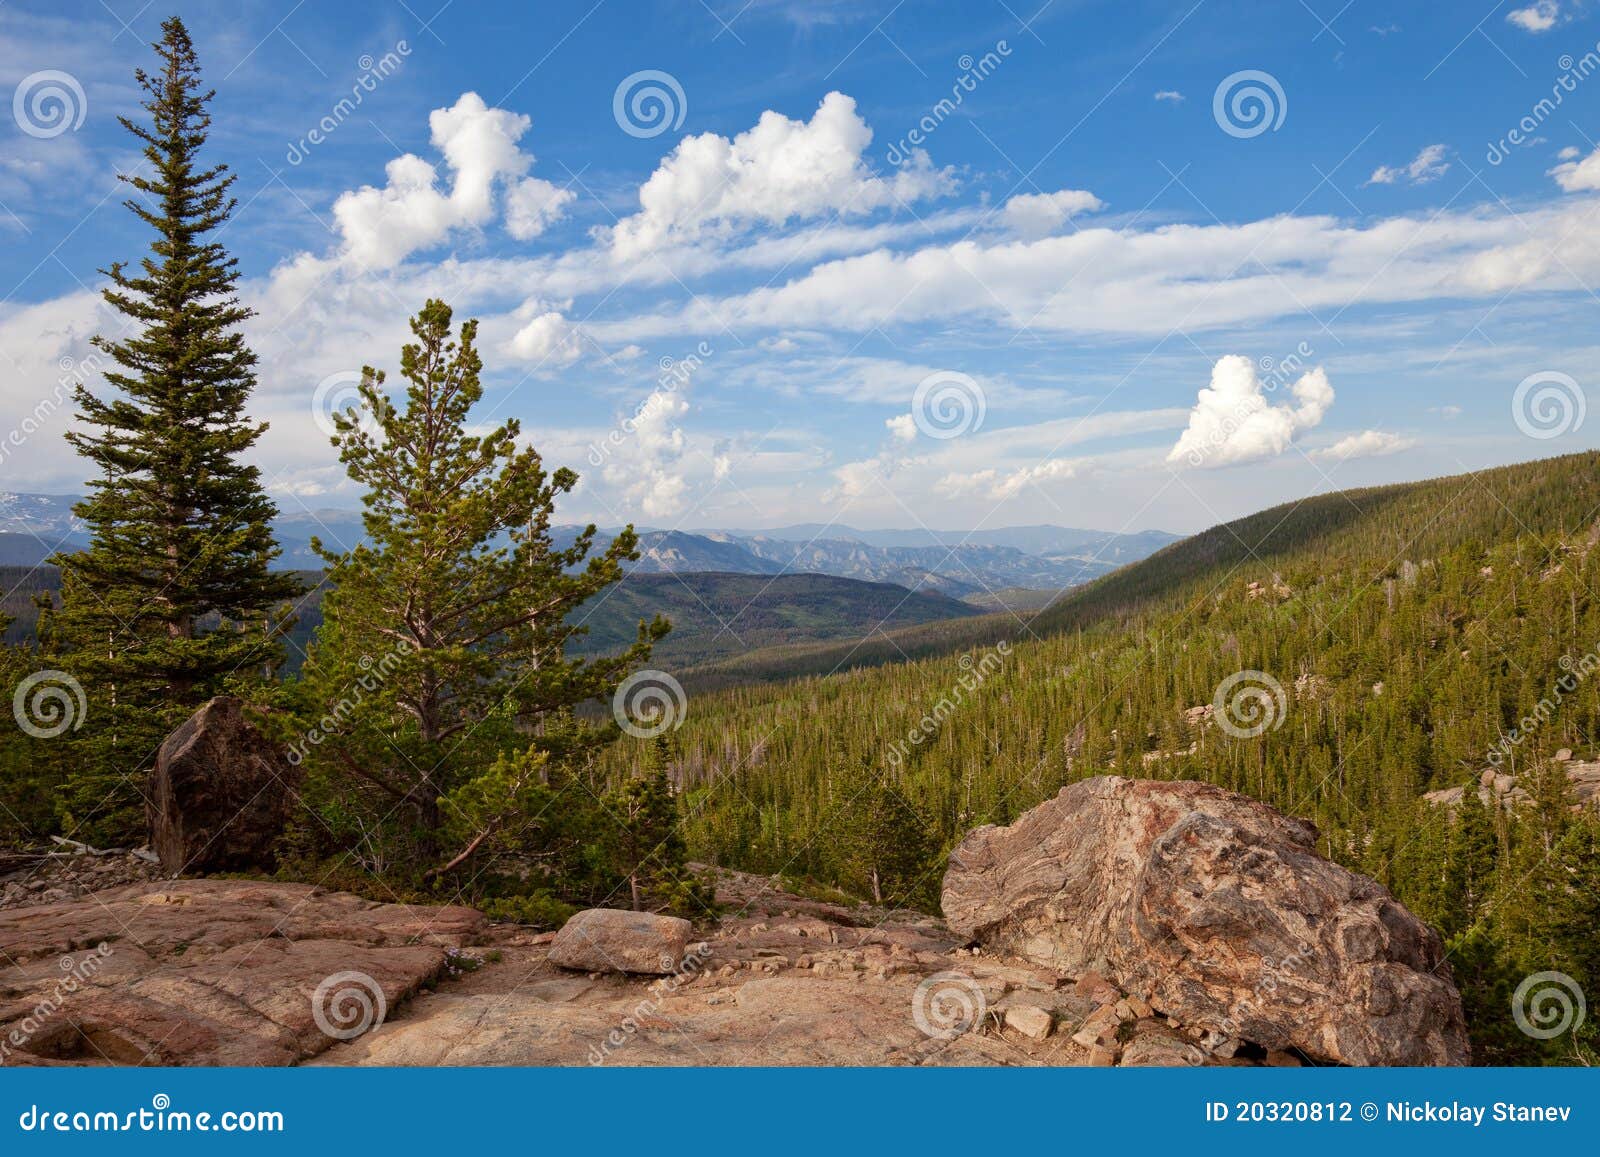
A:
(1219, 911)
(614, 940)
(220, 794)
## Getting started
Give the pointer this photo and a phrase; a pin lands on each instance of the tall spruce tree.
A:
(171, 602)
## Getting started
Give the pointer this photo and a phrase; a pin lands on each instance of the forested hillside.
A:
(1394, 636)
(717, 615)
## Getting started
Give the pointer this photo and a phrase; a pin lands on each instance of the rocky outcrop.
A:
(260, 973)
(1510, 791)
(615, 940)
(211, 972)
(237, 972)
(1216, 910)
(220, 794)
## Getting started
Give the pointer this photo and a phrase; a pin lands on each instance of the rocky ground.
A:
(244, 972)
(62, 874)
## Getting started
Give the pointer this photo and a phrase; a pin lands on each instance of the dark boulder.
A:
(220, 795)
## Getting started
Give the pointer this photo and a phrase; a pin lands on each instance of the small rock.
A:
(1030, 1021)
(1102, 1056)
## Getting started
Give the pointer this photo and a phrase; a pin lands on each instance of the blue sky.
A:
(1095, 290)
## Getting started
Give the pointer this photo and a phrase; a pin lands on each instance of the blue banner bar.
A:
(780, 1111)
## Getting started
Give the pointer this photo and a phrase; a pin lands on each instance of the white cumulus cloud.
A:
(1233, 420)
(1003, 484)
(381, 227)
(1367, 444)
(778, 171)
(1041, 214)
(1427, 165)
(548, 339)
(649, 471)
(1537, 17)
(1577, 176)
(903, 427)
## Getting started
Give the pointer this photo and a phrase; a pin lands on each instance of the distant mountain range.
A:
(960, 564)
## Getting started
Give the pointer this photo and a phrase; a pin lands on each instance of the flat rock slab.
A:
(214, 972)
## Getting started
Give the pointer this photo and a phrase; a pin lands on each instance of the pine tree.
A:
(646, 848)
(171, 602)
(451, 620)
(883, 840)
